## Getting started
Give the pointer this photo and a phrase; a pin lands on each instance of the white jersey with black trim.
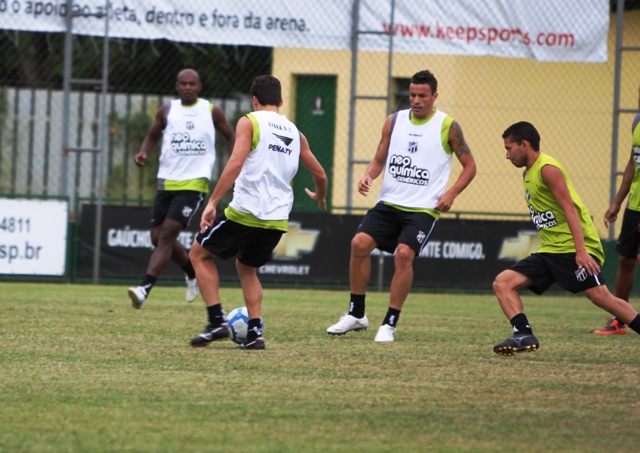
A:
(418, 165)
(188, 142)
(263, 187)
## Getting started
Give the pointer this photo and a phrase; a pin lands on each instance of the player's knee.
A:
(501, 283)
(154, 237)
(360, 245)
(404, 256)
(195, 254)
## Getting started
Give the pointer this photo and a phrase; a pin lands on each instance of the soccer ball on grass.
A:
(238, 321)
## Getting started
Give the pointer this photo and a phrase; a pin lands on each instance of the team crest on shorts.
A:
(186, 211)
(421, 237)
(581, 274)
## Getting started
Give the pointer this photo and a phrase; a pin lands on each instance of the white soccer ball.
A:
(238, 321)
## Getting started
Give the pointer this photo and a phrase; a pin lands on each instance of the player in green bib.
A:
(571, 252)
(628, 246)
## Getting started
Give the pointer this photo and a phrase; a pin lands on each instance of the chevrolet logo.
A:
(517, 248)
(296, 242)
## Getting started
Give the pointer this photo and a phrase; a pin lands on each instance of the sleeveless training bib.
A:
(550, 219)
(188, 142)
(418, 164)
(634, 197)
(263, 187)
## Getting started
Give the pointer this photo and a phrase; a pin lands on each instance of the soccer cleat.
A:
(192, 289)
(138, 296)
(258, 343)
(612, 327)
(348, 323)
(210, 334)
(520, 342)
(386, 334)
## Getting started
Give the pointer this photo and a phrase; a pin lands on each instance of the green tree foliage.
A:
(125, 178)
(35, 60)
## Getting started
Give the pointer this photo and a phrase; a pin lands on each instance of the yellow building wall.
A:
(571, 104)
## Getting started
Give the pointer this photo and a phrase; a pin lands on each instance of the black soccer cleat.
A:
(258, 343)
(520, 342)
(210, 334)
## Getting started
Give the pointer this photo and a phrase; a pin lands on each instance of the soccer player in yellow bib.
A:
(628, 246)
(570, 253)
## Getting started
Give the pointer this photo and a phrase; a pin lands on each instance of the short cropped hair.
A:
(267, 90)
(523, 131)
(425, 77)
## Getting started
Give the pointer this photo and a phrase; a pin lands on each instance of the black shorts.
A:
(545, 269)
(179, 205)
(628, 244)
(226, 239)
(390, 226)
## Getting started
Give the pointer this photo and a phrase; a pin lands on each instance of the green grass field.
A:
(80, 371)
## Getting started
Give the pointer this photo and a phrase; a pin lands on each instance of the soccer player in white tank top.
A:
(415, 158)
(187, 128)
(264, 160)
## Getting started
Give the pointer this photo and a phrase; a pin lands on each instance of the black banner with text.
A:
(316, 250)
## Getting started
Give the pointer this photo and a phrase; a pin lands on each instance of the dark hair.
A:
(523, 131)
(267, 90)
(425, 77)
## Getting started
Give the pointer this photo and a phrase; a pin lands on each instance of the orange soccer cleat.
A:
(612, 327)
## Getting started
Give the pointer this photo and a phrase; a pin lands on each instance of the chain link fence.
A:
(344, 65)
(142, 77)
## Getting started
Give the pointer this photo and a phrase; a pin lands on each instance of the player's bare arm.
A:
(461, 150)
(222, 125)
(375, 167)
(554, 179)
(152, 138)
(456, 140)
(625, 186)
(244, 134)
(317, 173)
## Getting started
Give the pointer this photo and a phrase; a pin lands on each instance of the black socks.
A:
(391, 317)
(216, 315)
(254, 331)
(189, 270)
(356, 306)
(635, 324)
(148, 282)
(520, 324)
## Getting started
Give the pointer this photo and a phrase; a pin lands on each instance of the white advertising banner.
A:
(544, 30)
(33, 236)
